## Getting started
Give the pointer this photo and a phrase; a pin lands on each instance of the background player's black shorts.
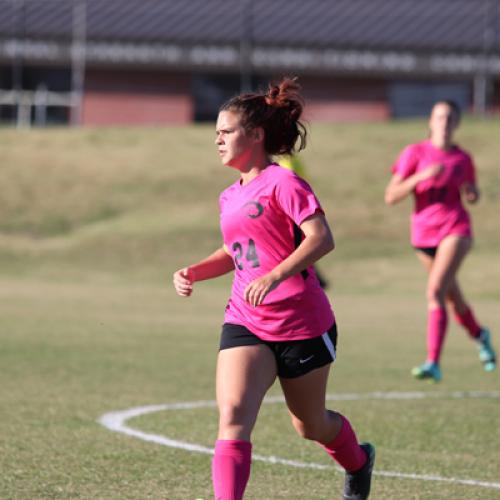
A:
(293, 357)
(430, 251)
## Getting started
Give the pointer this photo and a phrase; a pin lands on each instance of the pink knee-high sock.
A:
(345, 449)
(469, 322)
(437, 321)
(231, 468)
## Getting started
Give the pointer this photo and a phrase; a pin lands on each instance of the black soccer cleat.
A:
(357, 484)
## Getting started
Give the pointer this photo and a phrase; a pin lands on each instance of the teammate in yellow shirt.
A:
(294, 164)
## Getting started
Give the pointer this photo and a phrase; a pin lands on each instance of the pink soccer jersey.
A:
(438, 210)
(260, 227)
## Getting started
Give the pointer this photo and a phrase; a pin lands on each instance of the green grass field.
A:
(92, 225)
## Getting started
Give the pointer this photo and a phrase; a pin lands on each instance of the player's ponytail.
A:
(277, 112)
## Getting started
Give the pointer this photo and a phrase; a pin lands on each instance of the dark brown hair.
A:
(453, 105)
(277, 111)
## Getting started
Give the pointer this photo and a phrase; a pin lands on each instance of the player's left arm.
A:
(471, 192)
(317, 242)
(469, 188)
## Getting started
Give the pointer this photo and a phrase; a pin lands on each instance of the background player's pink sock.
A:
(231, 468)
(345, 449)
(468, 321)
(437, 321)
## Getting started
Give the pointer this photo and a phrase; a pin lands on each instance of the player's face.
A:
(443, 121)
(234, 144)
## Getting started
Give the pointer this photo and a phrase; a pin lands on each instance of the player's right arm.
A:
(216, 264)
(399, 188)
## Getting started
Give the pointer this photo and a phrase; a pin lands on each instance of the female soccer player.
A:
(278, 321)
(439, 173)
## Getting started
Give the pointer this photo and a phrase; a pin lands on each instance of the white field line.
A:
(116, 421)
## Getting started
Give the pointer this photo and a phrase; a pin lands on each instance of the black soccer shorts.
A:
(293, 357)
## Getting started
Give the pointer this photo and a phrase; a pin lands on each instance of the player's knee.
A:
(231, 414)
(456, 303)
(435, 294)
(452, 303)
(312, 431)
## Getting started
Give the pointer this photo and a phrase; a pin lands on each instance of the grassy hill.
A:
(143, 199)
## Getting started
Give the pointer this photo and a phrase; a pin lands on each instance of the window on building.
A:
(412, 99)
(38, 107)
(211, 91)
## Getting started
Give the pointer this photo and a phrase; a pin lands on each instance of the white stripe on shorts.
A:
(329, 345)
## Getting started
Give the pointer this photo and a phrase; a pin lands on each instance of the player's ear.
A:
(258, 134)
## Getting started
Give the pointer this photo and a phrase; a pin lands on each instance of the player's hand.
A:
(431, 171)
(183, 282)
(256, 291)
(471, 193)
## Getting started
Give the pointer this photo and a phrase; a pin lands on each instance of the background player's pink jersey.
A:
(259, 223)
(438, 210)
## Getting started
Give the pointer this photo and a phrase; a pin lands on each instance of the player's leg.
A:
(427, 370)
(244, 374)
(465, 317)
(461, 310)
(305, 396)
(442, 272)
(426, 259)
(449, 256)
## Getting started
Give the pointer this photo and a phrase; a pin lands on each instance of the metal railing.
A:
(24, 101)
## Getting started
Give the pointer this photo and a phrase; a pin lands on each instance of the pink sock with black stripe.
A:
(345, 449)
(231, 468)
(437, 321)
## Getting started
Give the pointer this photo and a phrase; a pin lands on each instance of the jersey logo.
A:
(253, 209)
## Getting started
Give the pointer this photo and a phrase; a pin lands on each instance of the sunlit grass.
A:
(92, 225)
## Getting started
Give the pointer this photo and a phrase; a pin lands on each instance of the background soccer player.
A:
(439, 173)
(278, 321)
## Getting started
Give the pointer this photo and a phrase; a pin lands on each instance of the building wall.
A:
(136, 98)
(156, 97)
(345, 99)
